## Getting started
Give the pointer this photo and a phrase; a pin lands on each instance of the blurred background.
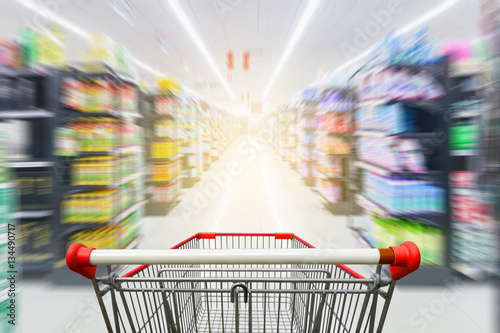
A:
(353, 124)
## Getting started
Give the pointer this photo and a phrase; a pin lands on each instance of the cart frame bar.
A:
(403, 259)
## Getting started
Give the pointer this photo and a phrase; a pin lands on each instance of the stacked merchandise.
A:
(216, 143)
(401, 150)
(98, 145)
(9, 246)
(206, 139)
(474, 240)
(26, 119)
(334, 148)
(165, 155)
(306, 123)
(188, 121)
(288, 135)
(383, 231)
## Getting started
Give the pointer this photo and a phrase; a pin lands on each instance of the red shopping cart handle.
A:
(406, 260)
(403, 259)
(78, 260)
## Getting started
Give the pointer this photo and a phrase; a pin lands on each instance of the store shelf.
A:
(31, 164)
(128, 211)
(328, 176)
(436, 220)
(25, 114)
(370, 133)
(171, 180)
(342, 134)
(23, 72)
(384, 134)
(130, 149)
(464, 152)
(434, 176)
(172, 158)
(323, 152)
(32, 214)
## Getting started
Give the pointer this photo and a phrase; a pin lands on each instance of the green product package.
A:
(464, 137)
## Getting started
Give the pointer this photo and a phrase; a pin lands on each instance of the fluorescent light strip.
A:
(291, 44)
(196, 39)
(52, 16)
(411, 26)
(84, 34)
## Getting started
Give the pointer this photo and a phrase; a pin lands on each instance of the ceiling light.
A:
(52, 16)
(291, 43)
(196, 39)
(427, 16)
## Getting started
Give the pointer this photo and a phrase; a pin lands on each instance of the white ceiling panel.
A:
(263, 27)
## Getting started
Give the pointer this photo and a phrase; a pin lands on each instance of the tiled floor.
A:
(251, 190)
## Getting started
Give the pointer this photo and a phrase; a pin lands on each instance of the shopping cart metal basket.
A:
(219, 282)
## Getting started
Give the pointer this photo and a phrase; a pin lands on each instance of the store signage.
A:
(162, 41)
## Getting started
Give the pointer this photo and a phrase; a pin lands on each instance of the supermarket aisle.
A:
(251, 190)
(264, 195)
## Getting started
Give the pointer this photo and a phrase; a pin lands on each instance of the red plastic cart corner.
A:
(78, 260)
(406, 260)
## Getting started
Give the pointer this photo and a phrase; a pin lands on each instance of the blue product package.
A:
(412, 195)
(441, 194)
(412, 188)
(434, 196)
(426, 198)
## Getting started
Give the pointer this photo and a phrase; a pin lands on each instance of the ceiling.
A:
(263, 27)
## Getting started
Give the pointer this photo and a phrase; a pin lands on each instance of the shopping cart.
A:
(215, 282)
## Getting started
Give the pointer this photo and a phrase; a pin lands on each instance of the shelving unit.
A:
(430, 132)
(99, 178)
(306, 150)
(191, 159)
(474, 235)
(335, 150)
(164, 154)
(27, 119)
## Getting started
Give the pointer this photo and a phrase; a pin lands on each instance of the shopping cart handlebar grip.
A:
(406, 260)
(78, 260)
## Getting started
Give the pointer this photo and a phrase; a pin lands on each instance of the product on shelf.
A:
(393, 118)
(337, 100)
(109, 236)
(102, 170)
(89, 95)
(165, 192)
(391, 83)
(463, 179)
(393, 153)
(331, 190)
(98, 95)
(331, 165)
(97, 206)
(165, 128)
(333, 145)
(431, 241)
(166, 171)
(165, 149)
(464, 137)
(165, 105)
(404, 196)
(335, 122)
